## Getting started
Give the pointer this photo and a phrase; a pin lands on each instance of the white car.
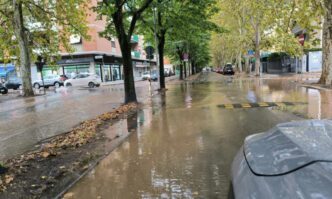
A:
(146, 76)
(84, 80)
(49, 80)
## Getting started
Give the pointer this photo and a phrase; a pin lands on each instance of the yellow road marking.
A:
(263, 104)
(229, 106)
(245, 105)
(280, 104)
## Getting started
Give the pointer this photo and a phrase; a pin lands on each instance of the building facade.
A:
(99, 55)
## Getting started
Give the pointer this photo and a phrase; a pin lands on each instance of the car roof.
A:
(289, 146)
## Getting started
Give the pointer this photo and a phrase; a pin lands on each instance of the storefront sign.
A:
(75, 61)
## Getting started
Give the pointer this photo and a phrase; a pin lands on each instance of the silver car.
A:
(49, 80)
(292, 160)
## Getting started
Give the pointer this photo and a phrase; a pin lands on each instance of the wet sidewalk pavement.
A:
(26, 121)
(184, 143)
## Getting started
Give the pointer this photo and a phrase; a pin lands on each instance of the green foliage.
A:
(48, 25)
(184, 24)
(275, 20)
(125, 13)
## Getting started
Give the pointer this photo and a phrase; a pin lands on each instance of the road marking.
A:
(246, 105)
(258, 105)
(229, 106)
(263, 104)
(280, 104)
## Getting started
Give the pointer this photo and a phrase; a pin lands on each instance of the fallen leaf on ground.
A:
(68, 195)
(8, 179)
(45, 154)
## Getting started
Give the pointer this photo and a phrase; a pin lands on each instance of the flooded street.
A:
(26, 121)
(184, 141)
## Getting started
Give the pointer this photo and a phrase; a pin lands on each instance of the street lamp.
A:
(40, 64)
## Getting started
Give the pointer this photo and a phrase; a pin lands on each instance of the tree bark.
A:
(21, 36)
(240, 62)
(161, 47)
(326, 77)
(193, 72)
(181, 71)
(247, 67)
(129, 83)
(257, 50)
(185, 69)
(124, 41)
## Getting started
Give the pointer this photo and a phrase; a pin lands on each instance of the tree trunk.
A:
(19, 29)
(129, 83)
(193, 67)
(326, 77)
(124, 41)
(161, 46)
(240, 62)
(247, 67)
(181, 71)
(257, 50)
(185, 69)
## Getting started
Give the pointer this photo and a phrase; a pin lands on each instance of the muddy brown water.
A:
(184, 144)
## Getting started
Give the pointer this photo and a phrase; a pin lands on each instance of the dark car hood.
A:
(289, 146)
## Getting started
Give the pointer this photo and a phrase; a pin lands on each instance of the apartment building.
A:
(101, 56)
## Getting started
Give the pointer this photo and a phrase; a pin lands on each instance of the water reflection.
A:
(183, 149)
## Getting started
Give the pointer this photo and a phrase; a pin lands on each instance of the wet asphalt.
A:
(24, 122)
(184, 142)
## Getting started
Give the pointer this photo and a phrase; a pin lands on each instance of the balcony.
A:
(135, 54)
(134, 39)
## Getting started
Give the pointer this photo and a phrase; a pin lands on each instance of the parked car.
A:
(49, 80)
(219, 70)
(3, 89)
(228, 70)
(13, 82)
(292, 160)
(89, 80)
(154, 75)
(146, 75)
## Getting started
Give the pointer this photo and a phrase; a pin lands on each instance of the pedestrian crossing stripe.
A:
(260, 104)
(263, 104)
(246, 105)
(280, 104)
(228, 106)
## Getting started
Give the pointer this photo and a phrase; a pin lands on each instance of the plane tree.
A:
(30, 28)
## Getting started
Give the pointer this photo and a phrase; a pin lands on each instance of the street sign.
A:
(98, 57)
(302, 39)
(251, 52)
(185, 57)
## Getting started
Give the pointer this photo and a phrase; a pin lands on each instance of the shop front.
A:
(107, 67)
(110, 72)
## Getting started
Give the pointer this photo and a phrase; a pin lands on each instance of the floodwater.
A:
(26, 121)
(184, 143)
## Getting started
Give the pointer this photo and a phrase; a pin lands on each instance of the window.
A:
(113, 44)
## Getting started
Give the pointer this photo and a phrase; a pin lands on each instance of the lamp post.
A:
(40, 64)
